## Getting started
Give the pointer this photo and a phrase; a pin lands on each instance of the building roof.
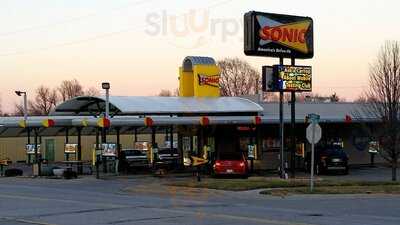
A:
(329, 112)
(190, 61)
(155, 105)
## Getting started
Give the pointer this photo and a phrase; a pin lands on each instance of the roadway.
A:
(89, 201)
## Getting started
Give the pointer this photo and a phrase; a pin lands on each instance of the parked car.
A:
(168, 156)
(230, 163)
(134, 158)
(328, 159)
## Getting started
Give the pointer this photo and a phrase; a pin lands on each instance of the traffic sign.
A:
(313, 118)
(313, 135)
(317, 134)
(251, 151)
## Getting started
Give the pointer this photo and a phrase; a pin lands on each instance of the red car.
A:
(231, 163)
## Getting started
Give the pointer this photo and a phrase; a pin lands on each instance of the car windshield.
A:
(231, 156)
(133, 153)
(168, 151)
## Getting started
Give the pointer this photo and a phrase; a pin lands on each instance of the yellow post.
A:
(94, 158)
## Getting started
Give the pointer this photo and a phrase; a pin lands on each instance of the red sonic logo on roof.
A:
(212, 80)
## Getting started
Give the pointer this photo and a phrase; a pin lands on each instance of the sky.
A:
(138, 45)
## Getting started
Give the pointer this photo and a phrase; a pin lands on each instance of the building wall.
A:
(349, 134)
(14, 148)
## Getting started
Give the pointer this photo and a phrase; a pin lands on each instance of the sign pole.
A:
(281, 129)
(313, 134)
(312, 157)
(293, 127)
(97, 156)
(198, 173)
(258, 41)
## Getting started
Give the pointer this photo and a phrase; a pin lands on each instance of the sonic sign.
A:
(212, 80)
(276, 35)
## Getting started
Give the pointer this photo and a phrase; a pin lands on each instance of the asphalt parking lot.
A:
(365, 173)
(90, 201)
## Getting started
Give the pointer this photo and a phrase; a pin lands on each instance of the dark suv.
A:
(328, 159)
(167, 157)
(134, 158)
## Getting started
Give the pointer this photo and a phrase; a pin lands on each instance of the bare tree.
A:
(315, 97)
(302, 97)
(92, 91)
(168, 93)
(176, 92)
(1, 106)
(45, 100)
(363, 99)
(18, 109)
(238, 78)
(165, 93)
(69, 89)
(383, 102)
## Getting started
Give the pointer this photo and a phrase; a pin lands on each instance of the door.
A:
(50, 148)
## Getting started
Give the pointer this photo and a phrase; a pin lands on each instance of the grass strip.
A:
(377, 189)
(250, 184)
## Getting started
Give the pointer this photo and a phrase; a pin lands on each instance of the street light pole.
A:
(19, 93)
(107, 103)
(25, 107)
(25, 99)
(106, 86)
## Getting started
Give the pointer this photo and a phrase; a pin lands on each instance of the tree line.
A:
(239, 78)
(46, 98)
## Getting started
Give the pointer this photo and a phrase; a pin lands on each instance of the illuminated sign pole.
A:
(105, 86)
(281, 131)
(283, 36)
(293, 127)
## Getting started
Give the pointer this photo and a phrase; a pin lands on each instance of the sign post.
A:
(251, 155)
(293, 128)
(281, 131)
(281, 36)
(313, 135)
(373, 149)
(197, 162)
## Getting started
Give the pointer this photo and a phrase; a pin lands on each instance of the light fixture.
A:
(19, 93)
(105, 85)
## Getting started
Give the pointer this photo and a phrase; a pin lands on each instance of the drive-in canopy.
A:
(128, 113)
(155, 105)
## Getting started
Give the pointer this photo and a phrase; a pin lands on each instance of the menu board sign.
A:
(109, 149)
(70, 148)
(293, 78)
(30, 149)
